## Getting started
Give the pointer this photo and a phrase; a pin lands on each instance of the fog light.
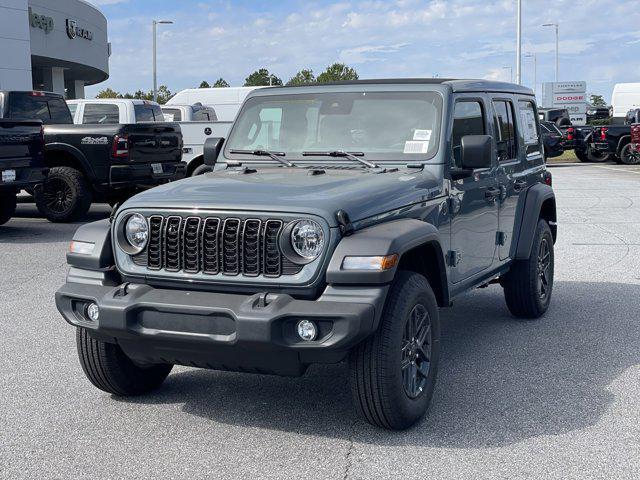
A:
(307, 330)
(93, 312)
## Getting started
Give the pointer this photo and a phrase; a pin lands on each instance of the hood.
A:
(360, 192)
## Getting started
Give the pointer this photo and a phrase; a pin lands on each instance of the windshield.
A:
(394, 126)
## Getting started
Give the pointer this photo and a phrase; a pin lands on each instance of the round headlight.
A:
(136, 231)
(307, 239)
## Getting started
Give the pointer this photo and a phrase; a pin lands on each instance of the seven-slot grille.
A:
(213, 245)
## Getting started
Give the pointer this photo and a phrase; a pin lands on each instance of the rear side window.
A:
(146, 112)
(468, 119)
(172, 114)
(529, 127)
(27, 106)
(104, 113)
(505, 130)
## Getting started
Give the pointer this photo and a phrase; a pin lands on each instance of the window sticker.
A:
(422, 135)
(529, 131)
(416, 147)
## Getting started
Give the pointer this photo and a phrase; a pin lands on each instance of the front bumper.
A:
(25, 176)
(142, 174)
(255, 333)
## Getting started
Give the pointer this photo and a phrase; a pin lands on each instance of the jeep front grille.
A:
(213, 245)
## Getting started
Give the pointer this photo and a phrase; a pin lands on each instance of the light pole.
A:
(510, 72)
(557, 62)
(519, 45)
(155, 81)
(535, 70)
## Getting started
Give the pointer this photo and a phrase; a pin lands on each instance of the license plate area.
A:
(8, 176)
(156, 168)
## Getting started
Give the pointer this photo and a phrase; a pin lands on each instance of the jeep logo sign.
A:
(40, 21)
(73, 31)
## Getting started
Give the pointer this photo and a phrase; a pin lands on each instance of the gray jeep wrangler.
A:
(336, 222)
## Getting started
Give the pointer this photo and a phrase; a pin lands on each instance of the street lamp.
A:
(155, 81)
(510, 72)
(557, 62)
(535, 70)
(519, 45)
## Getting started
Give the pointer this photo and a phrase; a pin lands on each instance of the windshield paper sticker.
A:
(415, 147)
(529, 127)
(422, 135)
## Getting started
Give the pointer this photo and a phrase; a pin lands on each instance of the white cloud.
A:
(390, 38)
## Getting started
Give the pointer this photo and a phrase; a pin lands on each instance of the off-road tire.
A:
(581, 155)
(7, 207)
(627, 157)
(65, 196)
(523, 289)
(109, 369)
(595, 156)
(376, 375)
(201, 170)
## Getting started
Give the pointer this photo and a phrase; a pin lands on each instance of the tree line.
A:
(260, 78)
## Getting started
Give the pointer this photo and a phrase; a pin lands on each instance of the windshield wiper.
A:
(277, 156)
(355, 156)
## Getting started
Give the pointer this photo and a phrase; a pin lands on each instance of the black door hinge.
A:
(453, 258)
(501, 238)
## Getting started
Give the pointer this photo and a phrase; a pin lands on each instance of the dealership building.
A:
(59, 46)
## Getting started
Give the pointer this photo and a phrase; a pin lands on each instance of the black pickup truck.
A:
(615, 140)
(94, 162)
(21, 161)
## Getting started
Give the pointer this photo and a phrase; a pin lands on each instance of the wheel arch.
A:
(540, 202)
(624, 140)
(63, 155)
(194, 163)
(417, 244)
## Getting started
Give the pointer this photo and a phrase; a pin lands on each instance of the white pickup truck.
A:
(198, 122)
(114, 110)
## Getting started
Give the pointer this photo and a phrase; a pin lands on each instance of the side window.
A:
(468, 119)
(104, 113)
(529, 127)
(143, 113)
(505, 130)
(72, 108)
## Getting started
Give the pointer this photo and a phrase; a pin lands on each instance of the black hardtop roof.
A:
(457, 85)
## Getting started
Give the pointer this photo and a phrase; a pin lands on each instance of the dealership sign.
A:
(569, 95)
(74, 31)
(40, 21)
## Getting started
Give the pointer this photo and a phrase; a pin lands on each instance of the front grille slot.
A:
(172, 244)
(212, 245)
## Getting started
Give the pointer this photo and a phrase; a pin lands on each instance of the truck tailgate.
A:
(154, 142)
(20, 142)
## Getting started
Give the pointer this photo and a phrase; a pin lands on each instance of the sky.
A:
(599, 40)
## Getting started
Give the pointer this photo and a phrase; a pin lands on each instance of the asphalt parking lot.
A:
(553, 398)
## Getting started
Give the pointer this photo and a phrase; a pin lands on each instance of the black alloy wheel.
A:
(544, 262)
(58, 195)
(416, 351)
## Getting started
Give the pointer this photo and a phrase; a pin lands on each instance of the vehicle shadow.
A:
(501, 380)
(28, 226)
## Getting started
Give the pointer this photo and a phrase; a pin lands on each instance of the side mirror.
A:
(476, 152)
(211, 150)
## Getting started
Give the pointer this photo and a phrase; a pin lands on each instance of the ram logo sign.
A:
(73, 31)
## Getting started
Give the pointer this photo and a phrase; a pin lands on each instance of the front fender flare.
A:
(101, 258)
(395, 237)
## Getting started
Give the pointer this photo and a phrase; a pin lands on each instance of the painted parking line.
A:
(637, 172)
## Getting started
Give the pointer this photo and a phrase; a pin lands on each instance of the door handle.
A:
(519, 185)
(491, 193)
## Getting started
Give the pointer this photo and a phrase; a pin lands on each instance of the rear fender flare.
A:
(538, 196)
(78, 156)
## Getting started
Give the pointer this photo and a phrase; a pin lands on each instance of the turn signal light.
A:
(376, 263)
